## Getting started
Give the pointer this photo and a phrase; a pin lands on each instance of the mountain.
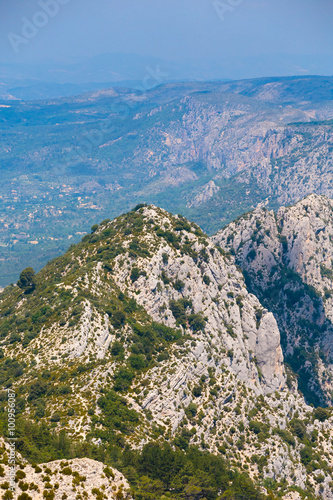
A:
(287, 259)
(210, 151)
(116, 67)
(142, 348)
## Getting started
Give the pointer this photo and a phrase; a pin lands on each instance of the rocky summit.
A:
(151, 361)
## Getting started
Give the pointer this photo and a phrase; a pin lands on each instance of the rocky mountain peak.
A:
(147, 331)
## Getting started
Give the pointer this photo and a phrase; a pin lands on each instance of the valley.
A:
(210, 151)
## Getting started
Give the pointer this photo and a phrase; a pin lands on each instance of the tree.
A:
(37, 390)
(322, 414)
(27, 281)
(243, 489)
(149, 489)
(135, 274)
(306, 455)
(197, 322)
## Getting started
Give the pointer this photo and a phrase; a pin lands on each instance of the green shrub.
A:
(118, 319)
(258, 427)
(24, 496)
(306, 455)
(322, 414)
(108, 473)
(15, 337)
(197, 391)
(23, 486)
(123, 379)
(67, 471)
(298, 428)
(137, 361)
(206, 279)
(182, 224)
(117, 349)
(231, 331)
(285, 435)
(37, 390)
(191, 410)
(165, 278)
(64, 389)
(178, 309)
(116, 414)
(8, 495)
(55, 417)
(140, 205)
(178, 285)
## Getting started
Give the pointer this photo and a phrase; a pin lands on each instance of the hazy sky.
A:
(176, 30)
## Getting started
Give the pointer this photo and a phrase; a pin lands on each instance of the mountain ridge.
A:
(145, 332)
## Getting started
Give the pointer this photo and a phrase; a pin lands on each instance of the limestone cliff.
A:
(288, 260)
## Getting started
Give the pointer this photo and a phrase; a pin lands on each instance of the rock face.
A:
(288, 260)
(268, 351)
(147, 317)
(212, 284)
(65, 479)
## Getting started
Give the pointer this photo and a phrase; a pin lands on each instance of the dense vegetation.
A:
(156, 472)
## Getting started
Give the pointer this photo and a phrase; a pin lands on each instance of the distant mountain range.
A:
(56, 79)
(44, 81)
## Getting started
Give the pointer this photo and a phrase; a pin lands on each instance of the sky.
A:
(228, 36)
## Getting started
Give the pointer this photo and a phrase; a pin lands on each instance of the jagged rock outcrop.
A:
(288, 259)
(63, 479)
(211, 284)
(208, 191)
